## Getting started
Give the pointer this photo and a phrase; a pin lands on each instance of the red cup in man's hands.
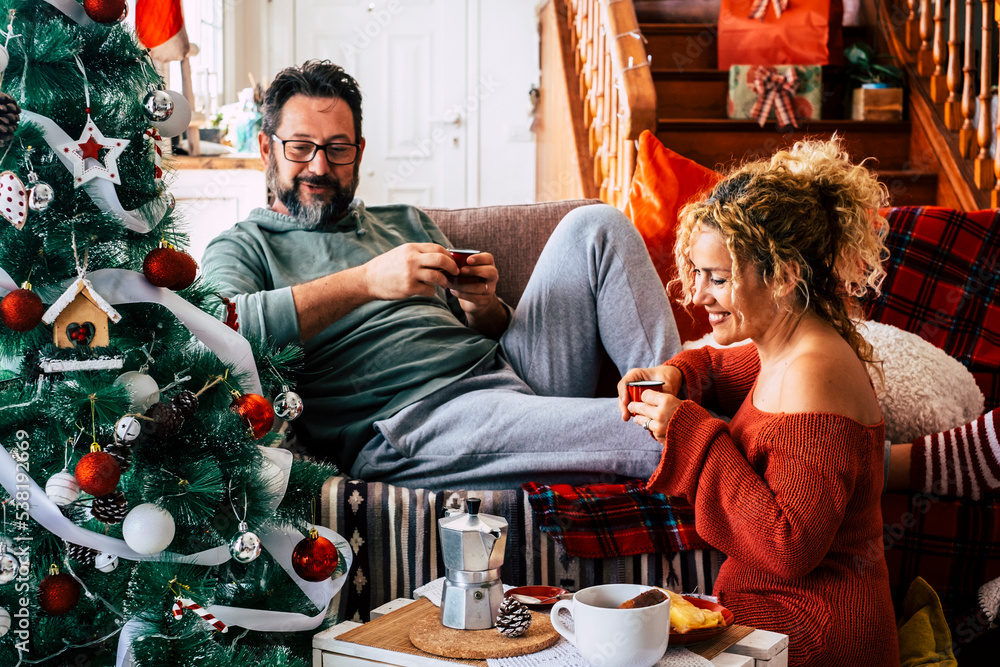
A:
(636, 388)
(461, 257)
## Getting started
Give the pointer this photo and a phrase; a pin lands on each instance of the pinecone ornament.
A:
(186, 403)
(81, 554)
(166, 419)
(10, 114)
(513, 619)
(121, 453)
(111, 508)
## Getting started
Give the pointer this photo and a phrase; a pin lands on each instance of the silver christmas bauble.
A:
(179, 119)
(62, 488)
(171, 201)
(5, 621)
(127, 429)
(8, 568)
(245, 546)
(157, 105)
(40, 196)
(142, 390)
(288, 405)
(105, 562)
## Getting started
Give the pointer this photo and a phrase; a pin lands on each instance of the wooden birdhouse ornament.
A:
(80, 317)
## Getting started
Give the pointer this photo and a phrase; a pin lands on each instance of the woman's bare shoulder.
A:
(829, 379)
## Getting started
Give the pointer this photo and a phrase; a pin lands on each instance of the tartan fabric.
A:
(942, 285)
(612, 520)
(953, 544)
(777, 90)
(759, 8)
(393, 533)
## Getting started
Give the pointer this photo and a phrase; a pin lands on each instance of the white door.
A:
(410, 58)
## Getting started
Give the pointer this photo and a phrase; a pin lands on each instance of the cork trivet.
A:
(712, 647)
(428, 634)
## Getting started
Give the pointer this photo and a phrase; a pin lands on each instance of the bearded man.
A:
(411, 376)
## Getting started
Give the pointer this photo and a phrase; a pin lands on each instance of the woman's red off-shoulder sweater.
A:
(793, 501)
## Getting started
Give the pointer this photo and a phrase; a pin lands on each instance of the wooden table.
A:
(758, 649)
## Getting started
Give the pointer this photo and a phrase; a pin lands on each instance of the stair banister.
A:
(965, 134)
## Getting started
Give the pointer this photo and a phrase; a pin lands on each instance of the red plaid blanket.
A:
(612, 520)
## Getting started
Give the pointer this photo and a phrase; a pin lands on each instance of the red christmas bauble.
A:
(257, 411)
(162, 267)
(21, 310)
(315, 558)
(98, 473)
(187, 269)
(105, 11)
(58, 593)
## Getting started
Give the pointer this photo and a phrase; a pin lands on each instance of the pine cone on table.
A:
(111, 508)
(10, 114)
(513, 619)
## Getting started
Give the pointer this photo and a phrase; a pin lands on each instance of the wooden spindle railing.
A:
(616, 88)
(952, 117)
(959, 81)
(939, 88)
(968, 72)
(985, 178)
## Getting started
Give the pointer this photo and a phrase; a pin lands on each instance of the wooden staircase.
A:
(691, 117)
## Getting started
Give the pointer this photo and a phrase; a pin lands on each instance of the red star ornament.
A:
(84, 154)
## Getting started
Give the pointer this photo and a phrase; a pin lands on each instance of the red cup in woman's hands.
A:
(461, 257)
(636, 388)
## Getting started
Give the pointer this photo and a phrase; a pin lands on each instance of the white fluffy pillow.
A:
(926, 391)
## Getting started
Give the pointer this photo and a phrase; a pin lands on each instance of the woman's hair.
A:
(808, 207)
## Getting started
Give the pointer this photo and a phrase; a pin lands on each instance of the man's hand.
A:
(478, 298)
(412, 269)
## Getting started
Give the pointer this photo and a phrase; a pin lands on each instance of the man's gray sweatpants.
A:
(529, 415)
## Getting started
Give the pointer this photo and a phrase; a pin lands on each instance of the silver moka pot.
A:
(472, 546)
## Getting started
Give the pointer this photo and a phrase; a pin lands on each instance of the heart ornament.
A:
(13, 199)
(81, 334)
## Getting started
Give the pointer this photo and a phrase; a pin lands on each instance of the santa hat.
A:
(160, 27)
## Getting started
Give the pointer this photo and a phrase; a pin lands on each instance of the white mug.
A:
(610, 637)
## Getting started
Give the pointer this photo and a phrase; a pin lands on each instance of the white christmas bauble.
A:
(62, 488)
(127, 429)
(142, 389)
(148, 529)
(179, 119)
(105, 562)
(4, 59)
(4, 621)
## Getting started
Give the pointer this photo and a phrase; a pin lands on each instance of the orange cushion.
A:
(662, 184)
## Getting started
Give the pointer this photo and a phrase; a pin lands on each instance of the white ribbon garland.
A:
(72, 9)
(119, 286)
(101, 192)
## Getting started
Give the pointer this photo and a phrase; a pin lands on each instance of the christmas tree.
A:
(146, 519)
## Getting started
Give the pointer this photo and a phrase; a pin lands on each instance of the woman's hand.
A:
(656, 407)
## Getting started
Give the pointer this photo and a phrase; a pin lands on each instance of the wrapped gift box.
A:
(806, 102)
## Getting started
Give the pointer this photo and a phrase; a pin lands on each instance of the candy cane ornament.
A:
(153, 136)
(182, 603)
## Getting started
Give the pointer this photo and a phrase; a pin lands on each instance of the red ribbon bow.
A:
(182, 603)
(774, 89)
(759, 8)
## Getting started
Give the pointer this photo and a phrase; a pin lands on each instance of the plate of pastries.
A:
(692, 619)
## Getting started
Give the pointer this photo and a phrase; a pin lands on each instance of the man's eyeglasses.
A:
(304, 151)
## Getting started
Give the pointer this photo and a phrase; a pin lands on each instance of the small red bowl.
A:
(540, 592)
(701, 634)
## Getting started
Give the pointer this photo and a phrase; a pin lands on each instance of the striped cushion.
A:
(393, 531)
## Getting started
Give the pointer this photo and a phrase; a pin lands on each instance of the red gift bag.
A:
(808, 32)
